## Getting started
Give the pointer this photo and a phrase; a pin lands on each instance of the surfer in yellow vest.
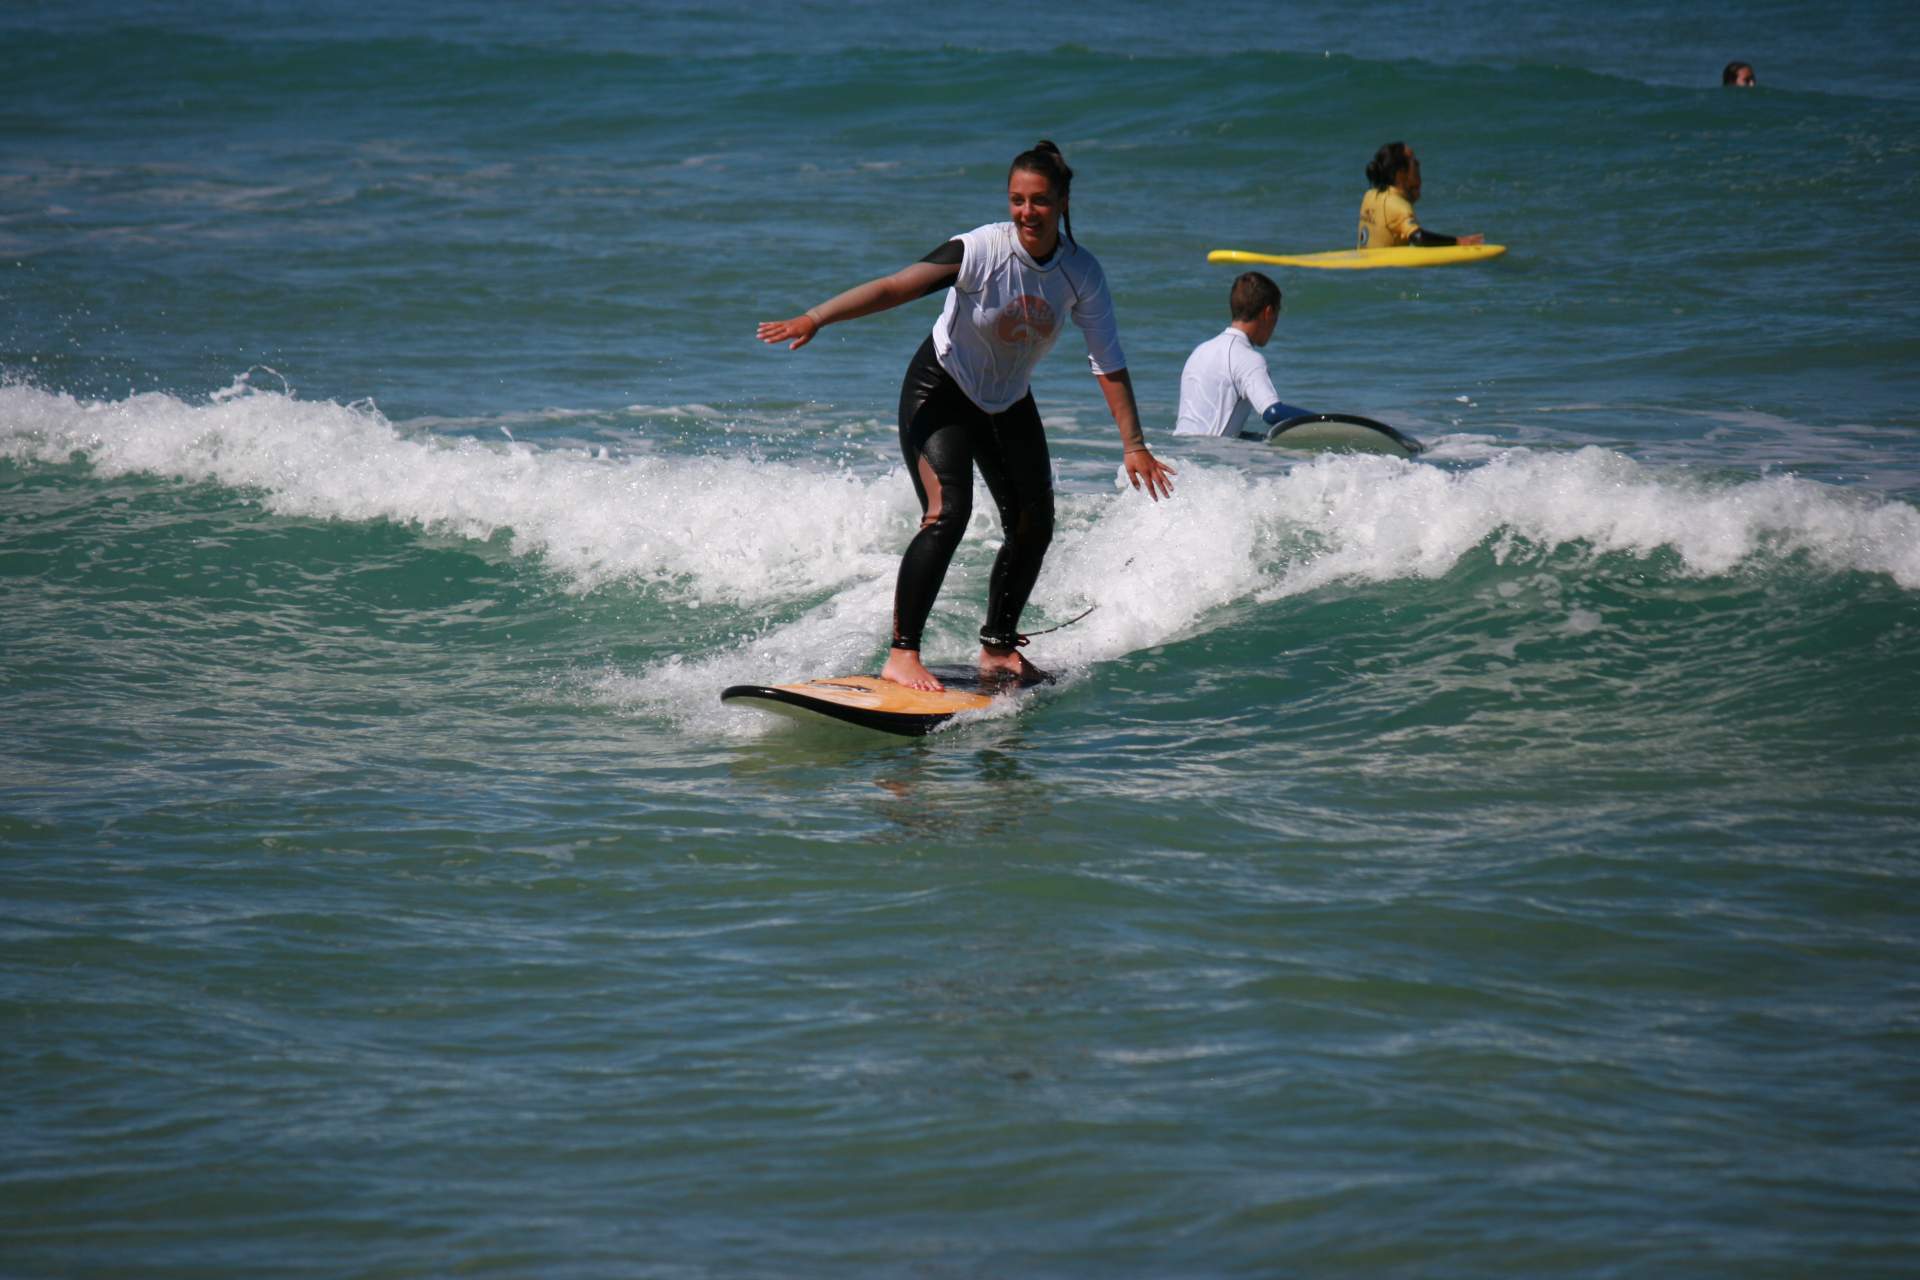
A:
(1386, 211)
(1226, 379)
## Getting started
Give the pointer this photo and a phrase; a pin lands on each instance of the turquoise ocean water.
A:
(1501, 864)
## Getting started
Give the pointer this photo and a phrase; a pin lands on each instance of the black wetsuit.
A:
(943, 436)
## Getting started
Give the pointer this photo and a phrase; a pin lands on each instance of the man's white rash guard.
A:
(1224, 379)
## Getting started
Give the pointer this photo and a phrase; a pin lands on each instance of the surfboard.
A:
(1342, 431)
(873, 703)
(1366, 259)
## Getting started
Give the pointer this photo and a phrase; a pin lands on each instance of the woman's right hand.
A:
(801, 329)
(1142, 467)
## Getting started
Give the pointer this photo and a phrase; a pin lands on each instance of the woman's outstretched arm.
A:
(883, 294)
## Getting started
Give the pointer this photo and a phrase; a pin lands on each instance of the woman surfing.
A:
(967, 402)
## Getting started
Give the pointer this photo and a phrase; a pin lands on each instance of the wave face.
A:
(1499, 863)
(790, 561)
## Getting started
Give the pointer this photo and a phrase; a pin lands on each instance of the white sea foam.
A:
(710, 529)
(1383, 520)
(817, 545)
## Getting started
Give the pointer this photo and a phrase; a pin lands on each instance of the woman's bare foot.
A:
(1009, 666)
(903, 667)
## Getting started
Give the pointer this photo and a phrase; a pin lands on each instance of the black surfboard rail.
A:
(886, 722)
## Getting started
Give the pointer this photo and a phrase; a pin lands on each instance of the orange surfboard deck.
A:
(873, 703)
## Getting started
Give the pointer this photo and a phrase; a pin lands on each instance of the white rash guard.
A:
(1224, 379)
(1005, 310)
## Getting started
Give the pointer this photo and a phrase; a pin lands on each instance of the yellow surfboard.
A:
(873, 703)
(1365, 259)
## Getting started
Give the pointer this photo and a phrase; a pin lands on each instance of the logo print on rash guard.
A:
(1024, 321)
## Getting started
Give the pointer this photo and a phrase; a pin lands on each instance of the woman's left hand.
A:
(1141, 466)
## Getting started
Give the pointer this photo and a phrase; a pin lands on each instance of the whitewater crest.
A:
(709, 529)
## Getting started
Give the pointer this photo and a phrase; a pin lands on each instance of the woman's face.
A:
(1035, 212)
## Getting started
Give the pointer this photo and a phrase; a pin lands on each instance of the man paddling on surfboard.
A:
(966, 401)
(1386, 211)
(1226, 376)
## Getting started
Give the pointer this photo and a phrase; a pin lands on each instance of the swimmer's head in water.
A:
(1739, 74)
(1033, 210)
(1395, 165)
(1252, 294)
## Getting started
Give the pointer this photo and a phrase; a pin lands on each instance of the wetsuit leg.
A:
(938, 426)
(1012, 456)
